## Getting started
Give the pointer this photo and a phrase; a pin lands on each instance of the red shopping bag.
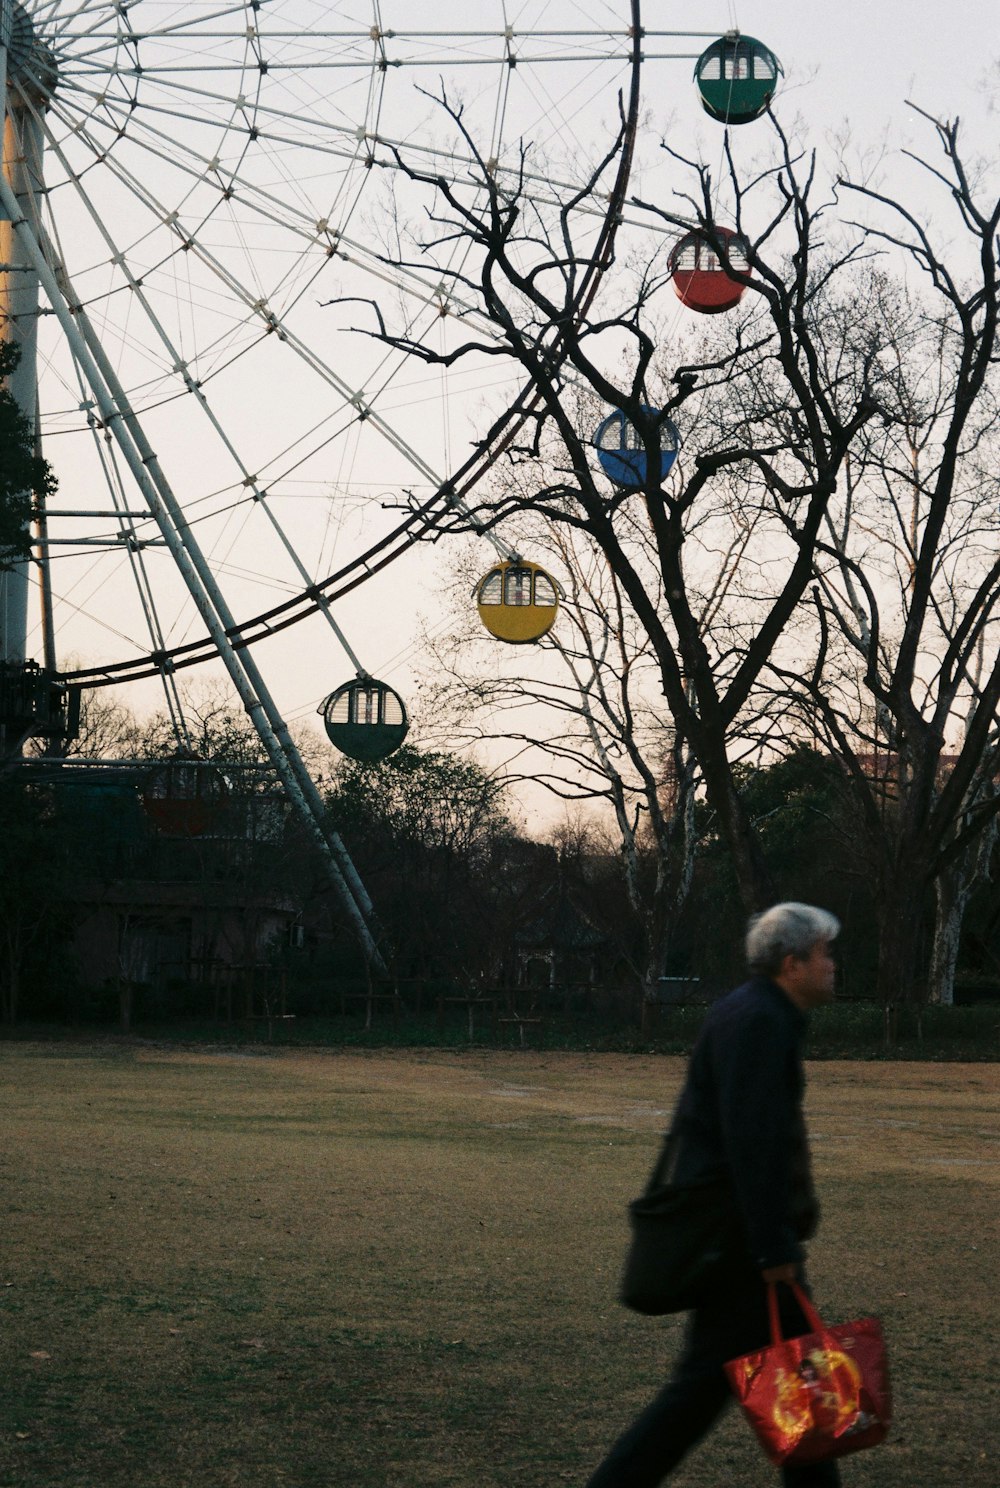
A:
(819, 1396)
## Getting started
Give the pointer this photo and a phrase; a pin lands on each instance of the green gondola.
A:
(365, 719)
(737, 76)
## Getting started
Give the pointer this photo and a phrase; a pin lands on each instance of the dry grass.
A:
(399, 1269)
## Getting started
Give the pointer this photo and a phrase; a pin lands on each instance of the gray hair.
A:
(786, 930)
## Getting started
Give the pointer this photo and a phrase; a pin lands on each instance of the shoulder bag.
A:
(682, 1237)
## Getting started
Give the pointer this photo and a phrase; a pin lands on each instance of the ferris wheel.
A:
(199, 201)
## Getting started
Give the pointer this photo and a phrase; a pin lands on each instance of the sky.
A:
(285, 424)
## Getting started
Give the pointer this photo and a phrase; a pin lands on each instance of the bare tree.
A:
(806, 396)
(785, 448)
(581, 716)
(906, 680)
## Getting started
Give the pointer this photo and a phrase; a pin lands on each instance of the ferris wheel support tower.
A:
(23, 145)
(28, 264)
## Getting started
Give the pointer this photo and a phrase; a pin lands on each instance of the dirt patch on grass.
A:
(396, 1268)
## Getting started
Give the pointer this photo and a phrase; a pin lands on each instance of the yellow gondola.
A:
(518, 601)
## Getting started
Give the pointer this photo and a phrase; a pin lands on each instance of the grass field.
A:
(399, 1268)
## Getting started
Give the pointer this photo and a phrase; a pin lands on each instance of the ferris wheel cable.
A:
(197, 653)
(283, 474)
(271, 622)
(455, 498)
(405, 528)
(136, 557)
(101, 13)
(38, 8)
(348, 449)
(196, 31)
(249, 191)
(611, 34)
(162, 70)
(212, 496)
(268, 624)
(100, 10)
(99, 620)
(194, 28)
(500, 111)
(154, 320)
(530, 397)
(264, 110)
(263, 580)
(258, 308)
(399, 274)
(66, 43)
(243, 670)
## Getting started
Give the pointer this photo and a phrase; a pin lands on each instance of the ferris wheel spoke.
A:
(309, 230)
(212, 97)
(208, 172)
(195, 28)
(209, 98)
(249, 481)
(40, 10)
(233, 184)
(111, 13)
(352, 397)
(70, 60)
(203, 121)
(67, 14)
(362, 142)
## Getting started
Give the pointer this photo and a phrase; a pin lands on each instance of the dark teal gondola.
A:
(622, 453)
(737, 76)
(365, 719)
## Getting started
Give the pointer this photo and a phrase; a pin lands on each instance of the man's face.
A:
(809, 980)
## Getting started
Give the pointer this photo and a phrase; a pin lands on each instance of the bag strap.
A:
(665, 1166)
(811, 1315)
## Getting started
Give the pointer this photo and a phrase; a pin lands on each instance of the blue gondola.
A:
(622, 453)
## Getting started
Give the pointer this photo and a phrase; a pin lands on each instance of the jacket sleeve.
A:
(754, 1066)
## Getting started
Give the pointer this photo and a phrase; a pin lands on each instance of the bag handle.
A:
(665, 1166)
(811, 1315)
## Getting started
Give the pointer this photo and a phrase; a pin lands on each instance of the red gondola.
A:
(185, 796)
(699, 278)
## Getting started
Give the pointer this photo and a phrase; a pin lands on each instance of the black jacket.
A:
(740, 1114)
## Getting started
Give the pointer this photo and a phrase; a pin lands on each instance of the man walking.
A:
(740, 1114)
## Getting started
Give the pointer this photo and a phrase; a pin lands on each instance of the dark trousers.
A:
(731, 1323)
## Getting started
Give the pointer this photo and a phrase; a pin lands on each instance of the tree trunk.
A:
(949, 911)
(953, 890)
(901, 976)
(737, 831)
(12, 990)
(10, 997)
(655, 967)
(673, 884)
